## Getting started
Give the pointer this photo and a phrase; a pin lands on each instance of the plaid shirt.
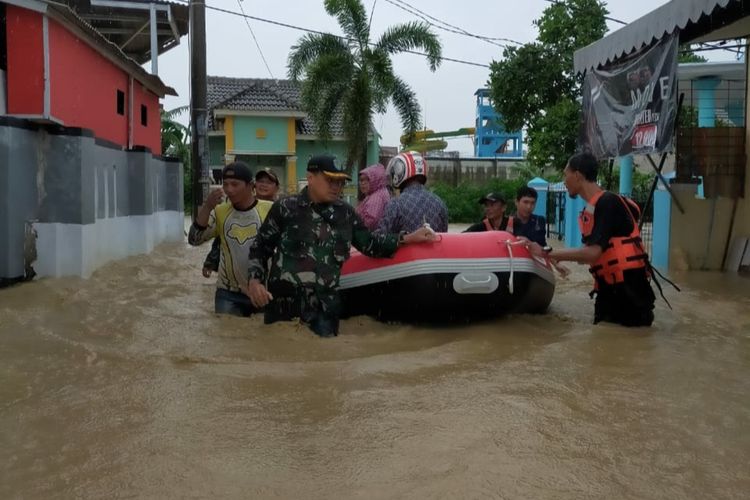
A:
(415, 206)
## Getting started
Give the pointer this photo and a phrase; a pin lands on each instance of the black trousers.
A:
(630, 303)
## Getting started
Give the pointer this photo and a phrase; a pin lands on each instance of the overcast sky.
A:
(446, 96)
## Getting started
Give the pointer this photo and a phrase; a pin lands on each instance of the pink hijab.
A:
(372, 207)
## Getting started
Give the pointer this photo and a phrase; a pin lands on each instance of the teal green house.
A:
(261, 122)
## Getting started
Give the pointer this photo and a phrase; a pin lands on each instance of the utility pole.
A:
(154, 29)
(198, 111)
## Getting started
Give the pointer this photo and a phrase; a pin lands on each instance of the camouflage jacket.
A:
(307, 243)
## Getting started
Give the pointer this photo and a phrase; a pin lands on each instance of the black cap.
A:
(267, 172)
(493, 197)
(327, 165)
(237, 170)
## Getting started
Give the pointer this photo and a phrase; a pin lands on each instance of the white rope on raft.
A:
(509, 245)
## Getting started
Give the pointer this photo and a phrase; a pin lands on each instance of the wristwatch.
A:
(547, 249)
(401, 236)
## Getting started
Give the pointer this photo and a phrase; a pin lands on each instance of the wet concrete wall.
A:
(699, 236)
(472, 171)
(88, 200)
(742, 224)
(18, 197)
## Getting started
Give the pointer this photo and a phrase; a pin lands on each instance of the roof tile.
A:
(257, 94)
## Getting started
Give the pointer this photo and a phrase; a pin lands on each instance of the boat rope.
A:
(509, 244)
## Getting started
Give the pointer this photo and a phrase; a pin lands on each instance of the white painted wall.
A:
(79, 250)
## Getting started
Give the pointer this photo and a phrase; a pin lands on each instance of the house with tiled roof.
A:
(262, 122)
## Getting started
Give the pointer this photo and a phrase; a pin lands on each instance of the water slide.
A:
(429, 140)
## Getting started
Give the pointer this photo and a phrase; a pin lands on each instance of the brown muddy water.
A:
(126, 385)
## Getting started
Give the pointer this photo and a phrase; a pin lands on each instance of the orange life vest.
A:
(508, 227)
(622, 252)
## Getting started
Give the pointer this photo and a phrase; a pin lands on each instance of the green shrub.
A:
(463, 201)
(642, 181)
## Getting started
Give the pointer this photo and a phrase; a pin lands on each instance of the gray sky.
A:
(446, 96)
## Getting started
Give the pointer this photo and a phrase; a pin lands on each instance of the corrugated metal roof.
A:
(258, 94)
(123, 23)
(676, 14)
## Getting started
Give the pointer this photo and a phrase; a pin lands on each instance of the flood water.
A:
(126, 385)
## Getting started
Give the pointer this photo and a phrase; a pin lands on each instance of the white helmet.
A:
(405, 166)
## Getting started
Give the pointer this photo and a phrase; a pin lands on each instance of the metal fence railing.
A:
(557, 204)
(647, 214)
(710, 135)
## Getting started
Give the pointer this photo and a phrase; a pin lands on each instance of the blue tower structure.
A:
(491, 140)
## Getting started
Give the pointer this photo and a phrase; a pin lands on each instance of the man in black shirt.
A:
(612, 248)
(525, 223)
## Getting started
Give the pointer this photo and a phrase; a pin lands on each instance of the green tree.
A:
(354, 76)
(688, 56)
(175, 141)
(462, 200)
(534, 86)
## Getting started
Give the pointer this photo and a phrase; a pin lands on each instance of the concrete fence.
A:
(72, 202)
(455, 171)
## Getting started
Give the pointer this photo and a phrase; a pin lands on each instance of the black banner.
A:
(630, 106)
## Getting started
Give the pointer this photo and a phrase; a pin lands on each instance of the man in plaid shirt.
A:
(416, 205)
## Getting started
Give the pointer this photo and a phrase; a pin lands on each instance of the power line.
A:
(444, 28)
(247, 21)
(447, 26)
(372, 12)
(463, 31)
(308, 30)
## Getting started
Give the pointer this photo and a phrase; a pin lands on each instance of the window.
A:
(144, 115)
(120, 102)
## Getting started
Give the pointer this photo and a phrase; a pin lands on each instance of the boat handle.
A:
(489, 278)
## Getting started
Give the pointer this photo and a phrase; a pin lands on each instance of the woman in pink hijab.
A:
(373, 185)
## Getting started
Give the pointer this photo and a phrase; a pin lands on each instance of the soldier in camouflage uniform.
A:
(307, 238)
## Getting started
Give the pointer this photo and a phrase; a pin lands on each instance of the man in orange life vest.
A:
(612, 248)
(524, 224)
(494, 215)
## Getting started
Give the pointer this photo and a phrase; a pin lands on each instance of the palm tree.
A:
(355, 77)
(175, 137)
